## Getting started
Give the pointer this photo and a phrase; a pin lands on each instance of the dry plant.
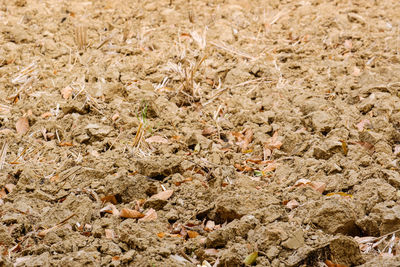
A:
(139, 136)
(26, 77)
(3, 153)
(186, 73)
(81, 37)
(385, 245)
(91, 101)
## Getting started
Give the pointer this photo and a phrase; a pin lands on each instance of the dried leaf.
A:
(243, 139)
(210, 225)
(161, 235)
(115, 258)
(368, 146)
(111, 209)
(248, 137)
(192, 234)
(271, 144)
(396, 150)
(332, 264)
(292, 204)
(46, 115)
(133, 214)
(65, 144)
(211, 252)
(54, 178)
(356, 71)
(115, 116)
(151, 215)
(109, 233)
(66, 92)
(3, 193)
(110, 198)
(362, 124)
(208, 131)
(348, 44)
(318, 186)
(9, 188)
(157, 139)
(339, 194)
(22, 125)
(344, 147)
(270, 167)
(163, 195)
(302, 182)
(251, 259)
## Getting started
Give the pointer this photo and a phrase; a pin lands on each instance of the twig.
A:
(44, 232)
(233, 51)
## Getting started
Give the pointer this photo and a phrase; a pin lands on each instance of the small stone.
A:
(295, 240)
(345, 250)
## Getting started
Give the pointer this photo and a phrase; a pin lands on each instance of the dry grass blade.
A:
(45, 232)
(233, 51)
(138, 136)
(189, 84)
(108, 39)
(24, 74)
(81, 37)
(3, 154)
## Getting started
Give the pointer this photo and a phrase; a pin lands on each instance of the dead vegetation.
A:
(179, 133)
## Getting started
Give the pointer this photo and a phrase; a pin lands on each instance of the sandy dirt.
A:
(199, 133)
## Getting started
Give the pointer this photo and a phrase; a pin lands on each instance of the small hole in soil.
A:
(325, 132)
(172, 220)
(158, 177)
(192, 146)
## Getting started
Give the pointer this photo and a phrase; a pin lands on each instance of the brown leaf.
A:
(210, 225)
(348, 44)
(157, 139)
(22, 125)
(211, 252)
(66, 92)
(362, 124)
(368, 146)
(109, 233)
(161, 234)
(54, 178)
(356, 71)
(192, 234)
(208, 131)
(3, 192)
(270, 167)
(273, 142)
(396, 150)
(46, 115)
(133, 214)
(292, 204)
(345, 148)
(111, 209)
(318, 186)
(9, 188)
(163, 195)
(110, 198)
(151, 215)
(65, 144)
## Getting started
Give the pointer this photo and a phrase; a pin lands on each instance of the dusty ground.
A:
(184, 133)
